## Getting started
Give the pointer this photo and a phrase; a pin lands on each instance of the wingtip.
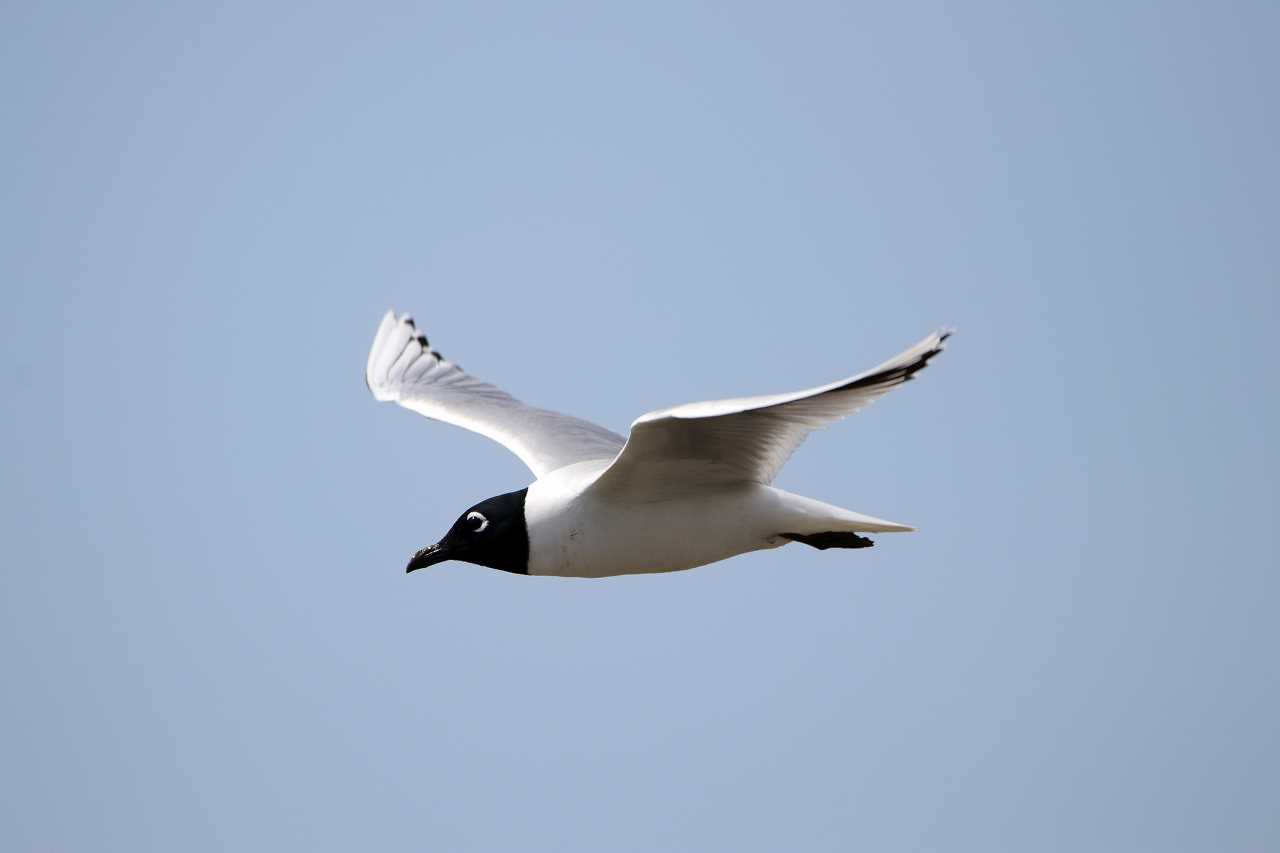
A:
(387, 345)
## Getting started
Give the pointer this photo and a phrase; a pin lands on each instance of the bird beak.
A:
(429, 556)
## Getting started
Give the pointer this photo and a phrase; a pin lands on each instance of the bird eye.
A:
(481, 521)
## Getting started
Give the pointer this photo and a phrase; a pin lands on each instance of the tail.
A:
(809, 517)
(860, 523)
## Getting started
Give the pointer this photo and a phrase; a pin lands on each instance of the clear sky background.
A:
(208, 640)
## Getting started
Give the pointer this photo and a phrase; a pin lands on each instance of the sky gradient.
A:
(208, 638)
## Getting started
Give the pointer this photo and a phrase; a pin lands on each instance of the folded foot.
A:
(830, 539)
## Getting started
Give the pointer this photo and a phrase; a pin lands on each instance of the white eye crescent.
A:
(475, 516)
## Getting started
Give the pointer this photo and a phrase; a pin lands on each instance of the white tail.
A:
(806, 515)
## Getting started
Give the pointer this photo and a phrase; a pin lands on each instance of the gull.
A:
(689, 486)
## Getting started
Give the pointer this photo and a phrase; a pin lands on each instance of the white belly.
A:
(572, 534)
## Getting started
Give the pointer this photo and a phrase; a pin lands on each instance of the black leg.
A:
(830, 539)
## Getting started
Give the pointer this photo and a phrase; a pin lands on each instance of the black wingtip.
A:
(904, 373)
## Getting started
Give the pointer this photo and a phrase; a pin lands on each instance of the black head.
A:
(492, 533)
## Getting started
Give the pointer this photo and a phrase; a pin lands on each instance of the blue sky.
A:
(208, 638)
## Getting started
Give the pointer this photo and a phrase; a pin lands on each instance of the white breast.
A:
(572, 534)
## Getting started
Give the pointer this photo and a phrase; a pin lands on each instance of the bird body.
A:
(690, 486)
(575, 531)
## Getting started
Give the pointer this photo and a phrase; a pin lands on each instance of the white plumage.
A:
(402, 367)
(689, 486)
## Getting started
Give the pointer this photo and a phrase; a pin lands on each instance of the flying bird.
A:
(688, 487)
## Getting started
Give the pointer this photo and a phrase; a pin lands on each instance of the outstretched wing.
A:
(402, 367)
(748, 439)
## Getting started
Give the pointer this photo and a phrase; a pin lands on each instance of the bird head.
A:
(492, 533)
